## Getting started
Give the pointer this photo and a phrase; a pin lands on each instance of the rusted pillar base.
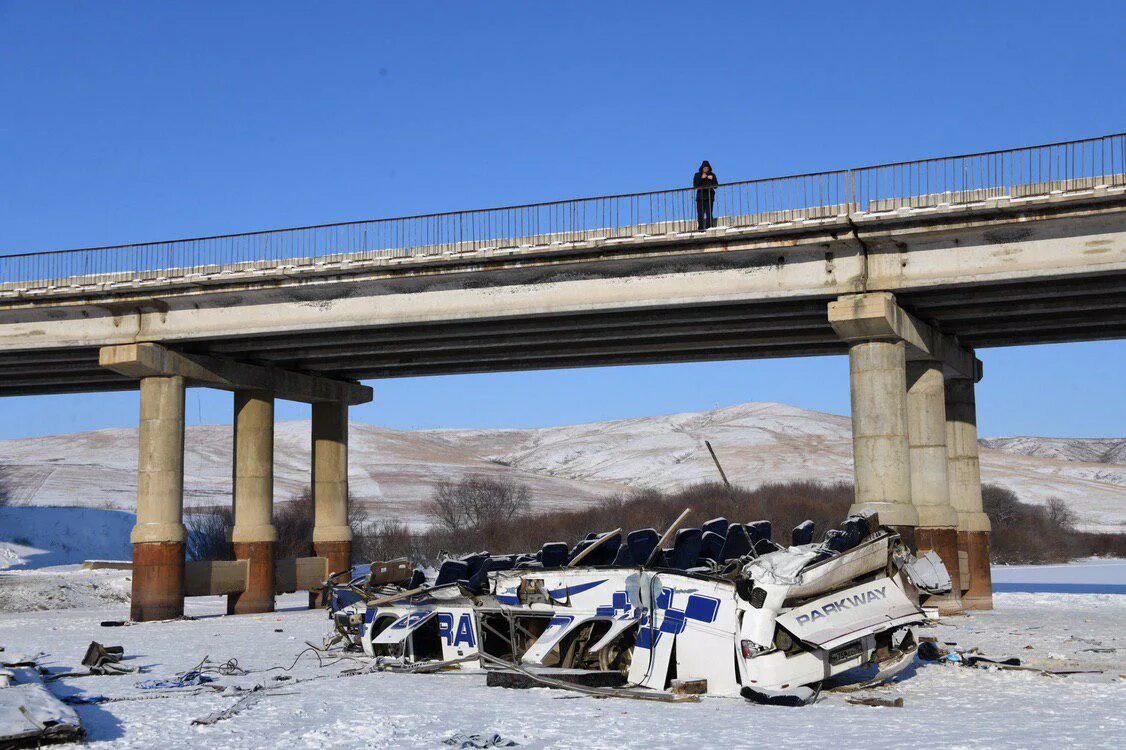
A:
(975, 544)
(158, 581)
(259, 594)
(339, 556)
(907, 533)
(944, 541)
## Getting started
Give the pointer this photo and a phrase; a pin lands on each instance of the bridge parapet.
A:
(976, 180)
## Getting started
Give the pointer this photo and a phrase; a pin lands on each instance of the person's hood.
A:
(705, 163)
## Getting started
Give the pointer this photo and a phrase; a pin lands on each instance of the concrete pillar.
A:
(964, 481)
(926, 434)
(332, 534)
(253, 536)
(877, 371)
(158, 537)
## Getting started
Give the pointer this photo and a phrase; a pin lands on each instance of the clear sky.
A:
(133, 121)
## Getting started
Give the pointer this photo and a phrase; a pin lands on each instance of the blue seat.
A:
(475, 562)
(417, 579)
(711, 545)
(716, 526)
(554, 555)
(607, 552)
(802, 534)
(857, 525)
(452, 571)
(686, 549)
(622, 559)
(759, 530)
(840, 541)
(641, 544)
(479, 581)
(737, 544)
(526, 561)
(574, 552)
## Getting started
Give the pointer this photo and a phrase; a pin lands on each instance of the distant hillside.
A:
(395, 471)
(1089, 450)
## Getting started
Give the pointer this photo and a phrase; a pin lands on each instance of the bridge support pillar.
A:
(964, 480)
(926, 432)
(253, 536)
(877, 366)
(158, 537)
(332, 534)
(879, 434)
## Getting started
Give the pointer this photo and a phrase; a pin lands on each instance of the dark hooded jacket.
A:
(705, 188)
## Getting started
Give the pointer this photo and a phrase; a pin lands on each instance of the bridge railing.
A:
(969, 178)
(1015, 173)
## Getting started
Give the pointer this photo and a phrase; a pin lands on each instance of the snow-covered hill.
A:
(395, 470)
(1088, 450)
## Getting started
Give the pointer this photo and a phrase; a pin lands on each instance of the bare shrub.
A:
(1022, 533)
(293, 521)
(785, 504)
(387, 540)
(1101, 545)
(7, 494)
(209, 534)
(1029, 534)
(1061, 515)
(477, 502)
(209, 531)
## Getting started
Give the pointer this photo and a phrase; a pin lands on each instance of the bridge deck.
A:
(993, 265)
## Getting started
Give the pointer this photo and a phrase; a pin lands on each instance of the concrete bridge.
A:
(907, 268)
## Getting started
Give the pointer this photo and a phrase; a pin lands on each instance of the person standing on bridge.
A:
(705, 183)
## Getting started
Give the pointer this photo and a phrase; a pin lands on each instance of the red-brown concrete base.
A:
(907, 533)
(259, 594)
(976, 546)
(944, 541)
(339, 556)
(158, 581)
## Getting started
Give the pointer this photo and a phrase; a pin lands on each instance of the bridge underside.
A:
(1082, 309)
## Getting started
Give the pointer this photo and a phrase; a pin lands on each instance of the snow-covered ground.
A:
(944, 706)
(32, 537)
(1091, 576)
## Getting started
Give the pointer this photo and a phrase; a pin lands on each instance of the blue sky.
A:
(132, 121)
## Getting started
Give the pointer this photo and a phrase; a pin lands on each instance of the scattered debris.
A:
(881, 702)
(508, 678)
(463, 740)
(240, 705)
(186, 679)
(105, 660)
(800, 696)
(30, 715)
(973, 658)
(689, 687)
